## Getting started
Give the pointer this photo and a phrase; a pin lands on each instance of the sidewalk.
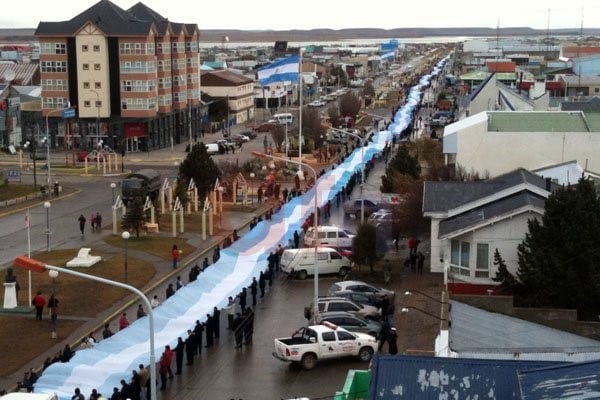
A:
(164, 273)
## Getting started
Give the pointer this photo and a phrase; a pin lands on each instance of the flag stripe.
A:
(283, 70)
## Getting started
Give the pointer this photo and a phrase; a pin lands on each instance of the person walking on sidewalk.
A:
(175, 252)
(81, 220)
(38, 302)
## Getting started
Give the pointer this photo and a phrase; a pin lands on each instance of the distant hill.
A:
(234, 35)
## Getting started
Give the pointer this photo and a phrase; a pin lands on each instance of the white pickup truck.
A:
(316, 342)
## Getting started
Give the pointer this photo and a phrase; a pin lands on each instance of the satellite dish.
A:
(9, 75)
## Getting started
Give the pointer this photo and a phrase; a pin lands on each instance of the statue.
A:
(11, 288)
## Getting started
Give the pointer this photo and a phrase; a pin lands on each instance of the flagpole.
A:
(28, 252)
(300, 116)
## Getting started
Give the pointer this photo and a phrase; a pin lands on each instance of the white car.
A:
(316, 103)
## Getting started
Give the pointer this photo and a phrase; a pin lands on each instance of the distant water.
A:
(345, 42)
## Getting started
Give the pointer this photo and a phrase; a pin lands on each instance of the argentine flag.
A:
(285, 70)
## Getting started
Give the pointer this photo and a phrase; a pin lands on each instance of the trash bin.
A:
(56, 188)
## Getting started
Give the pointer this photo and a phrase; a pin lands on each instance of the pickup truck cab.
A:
(319, 342)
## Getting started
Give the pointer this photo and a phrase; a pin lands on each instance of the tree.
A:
(278, 135)
(508, 282)
(334, 114)
(312, 127)
(135, 217)
(350, 105)
(559, 259)
(365, 248)
(368, 89)
(200, 166)
(403, 163)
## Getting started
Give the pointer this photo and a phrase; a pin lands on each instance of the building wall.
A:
(92, 50)
(501, 152)
(504, 235)
(486, 99)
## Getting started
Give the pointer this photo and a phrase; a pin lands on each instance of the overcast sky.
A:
(333, 14)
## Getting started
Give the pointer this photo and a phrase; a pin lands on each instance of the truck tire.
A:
(302, 275)
(365, 354)
(309, 360)
(343, 271)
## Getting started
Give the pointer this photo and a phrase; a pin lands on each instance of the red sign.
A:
(135, 129)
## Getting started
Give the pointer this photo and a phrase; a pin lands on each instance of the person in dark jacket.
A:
(392, 345)
(216, 322)
(243, 295)
(254, 290)
(190, 344)
(179, 350)
(261, 284)
(248, 325)
(238, 330)
(209, 330)
(198, 332)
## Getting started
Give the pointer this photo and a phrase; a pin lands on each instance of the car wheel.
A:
(365, 354)
(309, 361)
(302, 275)
(343, 271)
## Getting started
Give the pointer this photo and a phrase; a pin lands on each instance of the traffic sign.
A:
(68, 113)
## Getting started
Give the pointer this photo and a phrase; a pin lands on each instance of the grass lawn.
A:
(15, 190)
(24, 338)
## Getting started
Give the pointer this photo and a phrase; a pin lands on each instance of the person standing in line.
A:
(248, 325)
(106, 333)
(254, 290)
(216, 322)
(162, 370)
(169, 354)
(261, 284)
(205, 263)
(243, 297)
(216, 254)
(123, 322)
(296, 240)
(209, 331)
(178, 283)
(143, 377)
(230, 312)
(78, 395)
(198, 332)
(154, 302)
(170, 291)
(190, 345)
(38, 302)
(259, 194)
(238, 331)
(175, 255)
(140, 312)
(179, 350)
(81, 220)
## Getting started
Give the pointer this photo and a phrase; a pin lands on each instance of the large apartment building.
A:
(132, 77)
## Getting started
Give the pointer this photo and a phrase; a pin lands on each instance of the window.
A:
(84, 48)
(483, 261)
(96, 67)
(345, 335)
(87, 103)
(459, 257)
(86, 67)
(335, 256)
(98, 85)
(329, 336)
(98, 103)
(54, 66)
(86, 85)
(96, 48)
(54, 84)
(53, 48)
(322, 256)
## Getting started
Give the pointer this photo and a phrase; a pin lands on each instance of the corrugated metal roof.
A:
(575, 381)
(23, 72)
(484, 334)
(581, 80)
(532, 121)
(435, 378)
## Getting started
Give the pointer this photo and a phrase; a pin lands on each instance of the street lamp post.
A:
(362, 176)
(125, 235)
(252, 175)
(97, 116)
(31, 145)
(53, 274)
(113, 186)
(38, 266)
(47, 206)
(315, 223)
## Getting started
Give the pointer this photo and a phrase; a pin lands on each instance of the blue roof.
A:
(573, 381)
(434, 378)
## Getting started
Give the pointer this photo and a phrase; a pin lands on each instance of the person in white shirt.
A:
(154, 302)
(231, 308)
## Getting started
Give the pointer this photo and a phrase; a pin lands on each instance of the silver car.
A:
(351, 322)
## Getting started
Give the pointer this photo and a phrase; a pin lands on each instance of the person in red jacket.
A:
(175, 255)
(169, 356)
(38, 302)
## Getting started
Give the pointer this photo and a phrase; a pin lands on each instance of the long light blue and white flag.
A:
(287, 69)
